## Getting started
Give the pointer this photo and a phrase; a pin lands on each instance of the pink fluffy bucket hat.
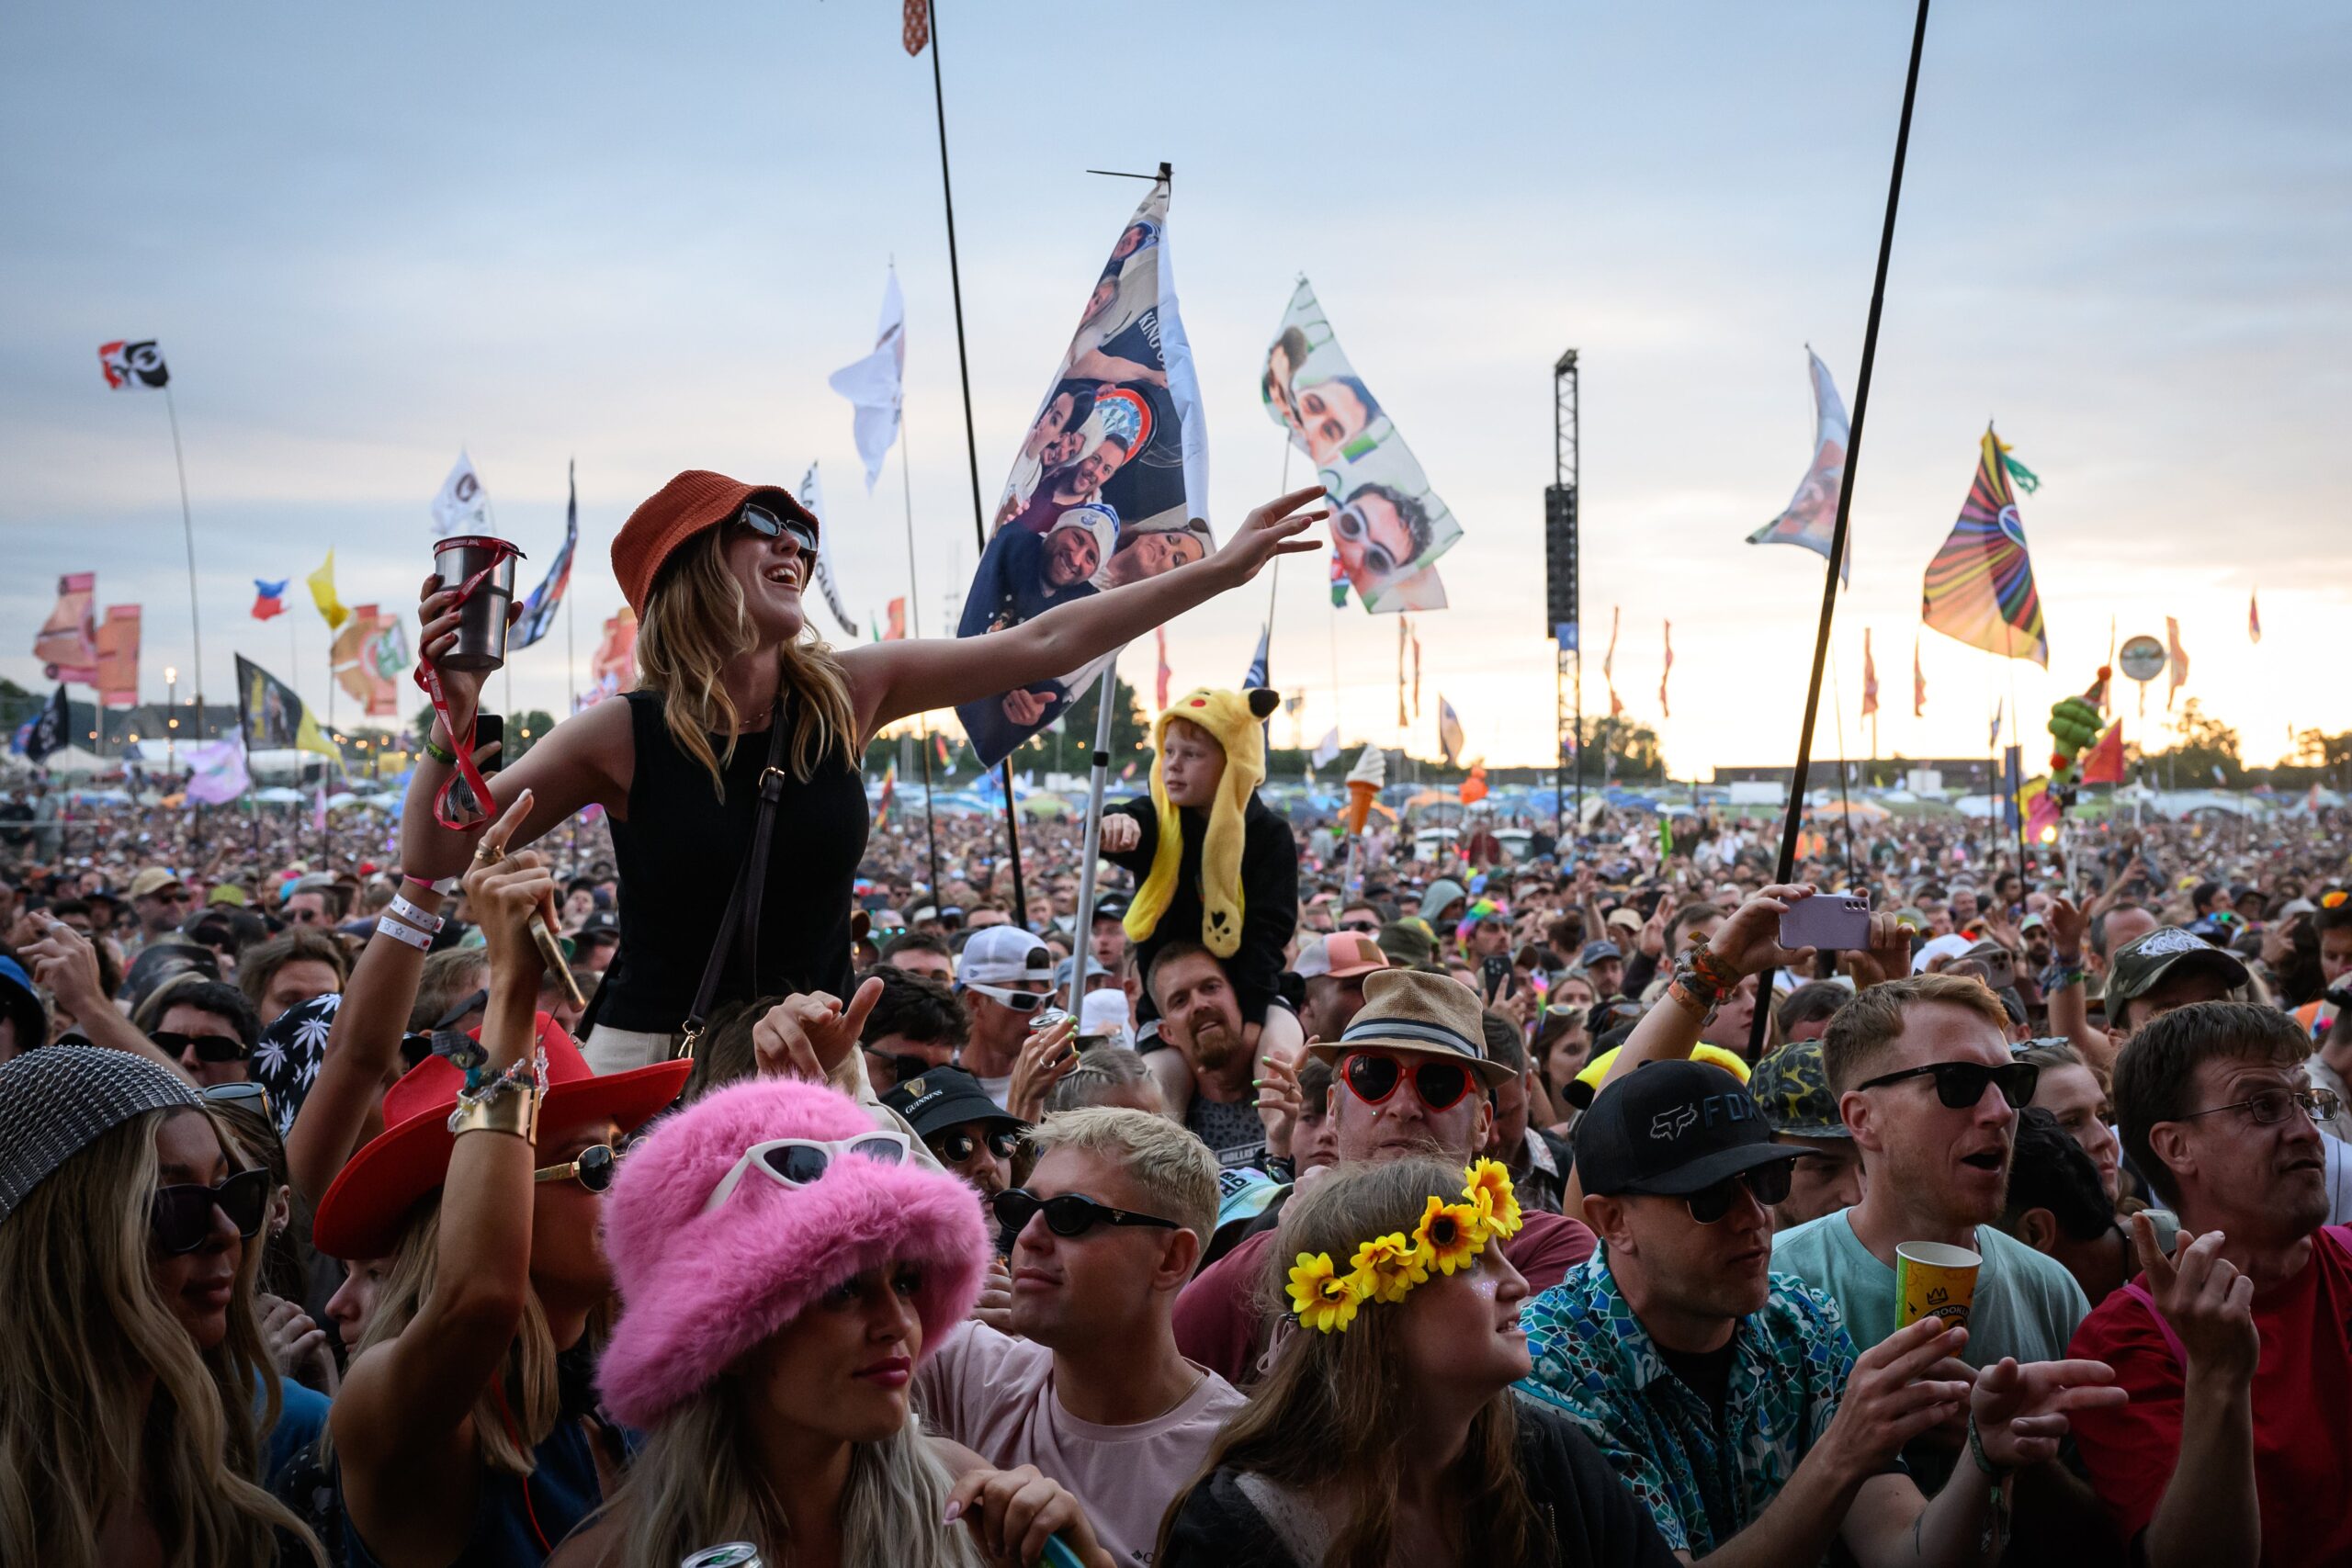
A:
(698, 1290)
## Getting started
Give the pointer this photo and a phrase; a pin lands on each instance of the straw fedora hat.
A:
(368, 1205)
(1404, 1009)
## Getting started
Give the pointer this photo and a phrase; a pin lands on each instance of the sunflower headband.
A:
(1450, 1238)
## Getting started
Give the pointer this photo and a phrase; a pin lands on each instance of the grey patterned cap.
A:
(58, 1101)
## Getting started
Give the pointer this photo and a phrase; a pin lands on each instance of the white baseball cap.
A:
(997, 955)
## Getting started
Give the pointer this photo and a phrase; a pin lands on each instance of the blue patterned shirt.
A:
(1704, 1481)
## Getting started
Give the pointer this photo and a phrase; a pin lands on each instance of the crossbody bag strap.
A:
(742, 918)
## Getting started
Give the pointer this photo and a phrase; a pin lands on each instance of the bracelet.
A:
(1976, 1453)
(1705, 986)
(1281, 1168)
(444, 886)
(1996, 1507)
(1710, 969)
(440, 754)
(517, 1113)
(387, 925)
(1688, 999)
(2060, 976)
(414, 916)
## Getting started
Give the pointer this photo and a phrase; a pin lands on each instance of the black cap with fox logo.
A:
(1673, 1128)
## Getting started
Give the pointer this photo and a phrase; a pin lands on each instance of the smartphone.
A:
(1494, 973)
(489, 726)
(1830, 921)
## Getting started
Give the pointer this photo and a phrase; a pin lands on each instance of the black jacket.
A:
(1269, 899)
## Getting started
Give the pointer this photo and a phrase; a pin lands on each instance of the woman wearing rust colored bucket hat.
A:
(738, 693)
(467, 1431)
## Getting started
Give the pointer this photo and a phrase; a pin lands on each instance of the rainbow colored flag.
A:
(1979, 589)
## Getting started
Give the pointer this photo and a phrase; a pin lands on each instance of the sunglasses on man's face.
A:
(181, 1216)
(1372, 1077)
(1367, 927)
(209, 1047)
(1019, 1001)
(958, 1147)
(768, 525)
(1769, 1184)
(593, 1168)
(1069, 1214)
(1961, 1085)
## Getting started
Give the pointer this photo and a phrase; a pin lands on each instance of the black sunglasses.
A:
(181, 1218)
(593, 1168)
(250, 1094)
(1769, 1183)
(960, 1145)
(1961, 1084)
(768, 525)
(209, 1047)
(1067, 1216)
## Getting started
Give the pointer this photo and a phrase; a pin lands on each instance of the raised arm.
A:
(890, 679)
(2068, 997)
(63, 959)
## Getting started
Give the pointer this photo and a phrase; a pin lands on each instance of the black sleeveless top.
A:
(678, 855)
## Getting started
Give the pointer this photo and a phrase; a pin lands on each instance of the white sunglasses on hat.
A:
(797, 1162)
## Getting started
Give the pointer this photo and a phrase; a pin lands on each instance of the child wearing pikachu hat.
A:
(1217, 866)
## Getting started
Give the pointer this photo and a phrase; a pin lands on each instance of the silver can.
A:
(481, 620)
(728, 1554)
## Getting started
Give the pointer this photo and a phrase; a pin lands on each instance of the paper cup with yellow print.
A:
(1933, 1280)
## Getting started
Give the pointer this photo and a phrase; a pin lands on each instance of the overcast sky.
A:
(643, 237)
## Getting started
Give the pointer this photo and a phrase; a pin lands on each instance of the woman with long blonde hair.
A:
(714, 569)
(131, 1365)
(1386, 1432)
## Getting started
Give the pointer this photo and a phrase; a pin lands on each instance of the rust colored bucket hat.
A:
(693, 501)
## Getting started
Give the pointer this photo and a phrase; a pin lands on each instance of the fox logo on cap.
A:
(1672, 1124)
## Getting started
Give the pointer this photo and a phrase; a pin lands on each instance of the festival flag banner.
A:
(812, 496)
(1993, 736)
(914, 26)
(1810, 520)
(897, 630)
(1665, 673)
(873, 384)
(890, 790)
(50, 730)
(1402, 637)
(133, 366)
(1609, 663)
(217, 773)
(272, 716)
(321, 585)
(2103, 763)
(463, 506)
(360, 651)
(1161, 675)
(2253, 616)
(538, 618)
(269, 598)
(1110, 485)
(1326, 751)
(1389, 528)
(1255, 676)
(1979, 589)
(1870, 678)
(2176, 661)
(67, 643)
(1918, 684)
(612, 670)
(117, 680)
(1449, 730)
(1417, 672)
(946, 757)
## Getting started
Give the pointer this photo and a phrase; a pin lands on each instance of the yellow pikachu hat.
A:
(1233, 718)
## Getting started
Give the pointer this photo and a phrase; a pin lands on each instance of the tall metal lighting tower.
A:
(1560, 596)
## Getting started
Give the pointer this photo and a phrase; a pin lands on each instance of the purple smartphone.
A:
(1839, 921)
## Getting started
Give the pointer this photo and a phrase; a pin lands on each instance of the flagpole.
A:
(1845, 502)
(187, 531)
(914, 614)
(1082, 920)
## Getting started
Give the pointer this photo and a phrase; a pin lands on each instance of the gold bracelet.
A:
(516, 1111)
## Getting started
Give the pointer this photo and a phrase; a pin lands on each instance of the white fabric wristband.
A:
(414, 916)
(421, 941)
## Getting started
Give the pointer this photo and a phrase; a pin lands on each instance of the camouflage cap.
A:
(2140, 966)
(1791, 1087)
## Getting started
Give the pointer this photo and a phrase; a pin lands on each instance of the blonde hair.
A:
(1333, 1419)
(81, 1435)
(695, 1482)
(694, 622)
(1866, 1028)
(1164, 1159)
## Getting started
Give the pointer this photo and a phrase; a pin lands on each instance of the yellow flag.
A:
(322, 583)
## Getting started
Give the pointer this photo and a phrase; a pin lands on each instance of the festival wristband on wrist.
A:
(1710, 969)
(443, 885)
(387, 925)
(414, 916)
(439, 753)
(1680, 990)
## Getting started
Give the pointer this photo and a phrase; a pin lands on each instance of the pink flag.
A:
(1664, 673)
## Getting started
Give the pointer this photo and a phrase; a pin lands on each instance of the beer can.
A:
(726, 1555)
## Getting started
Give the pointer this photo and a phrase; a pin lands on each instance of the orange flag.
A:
(2103, 763)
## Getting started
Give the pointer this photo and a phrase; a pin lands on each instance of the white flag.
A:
(813, 499)
(1328, 747)
(872, 383)
(463, 506)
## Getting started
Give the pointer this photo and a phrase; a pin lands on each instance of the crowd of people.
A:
(1295, 1203)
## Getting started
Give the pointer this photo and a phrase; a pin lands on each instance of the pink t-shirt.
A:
(994, 1394)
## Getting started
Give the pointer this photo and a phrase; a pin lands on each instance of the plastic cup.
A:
(481, 622)
(1933, 1280)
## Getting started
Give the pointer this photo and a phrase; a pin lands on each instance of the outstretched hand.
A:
(1748, 942)
(808, 1034)
(2020, 1410)
(1272, 530)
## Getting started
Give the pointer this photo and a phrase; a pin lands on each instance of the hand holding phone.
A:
(1827, 921)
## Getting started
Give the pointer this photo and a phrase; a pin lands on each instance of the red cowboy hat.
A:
(367, 1204)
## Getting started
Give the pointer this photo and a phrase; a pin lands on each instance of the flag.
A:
(1609, 664)
(1992, 736)
(133, 366)
(2107, 687)
(914, 26)
(1918, 682)
(269, 599)
(1870, 678)
(1126, 772)
(1810, 520)
(367, 642)
(2013, 788)
(1327, 750)
(889, 789)
(2041, 812)
(1159, 675)
(1389, 528)
(322, 583)
(2103, 763)
(2177, 661)
(813, 498)
(614, 664)
(1979, 589)
(318, 807)
(1401, 639)
(897, 628)
(51, 731)
(538, 618)
(1110, 483)
(2025, 478)
(463, 506)
(117, 680)
(67, 643)
(947, 757)
(1417, 672)
(2253, 616)
(1449, 730)
(217, 772)
(873, 384)
(1339, 583)
(1255, 676)
(1474, 788)
(1663, 675)
(271, 717)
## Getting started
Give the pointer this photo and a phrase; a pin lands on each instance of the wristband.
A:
(1690, 998)
(414, 916)
(441, 754)
(444, 886)
(516, 1111)
(1710, 969)
(2060, 976)
(387, 925)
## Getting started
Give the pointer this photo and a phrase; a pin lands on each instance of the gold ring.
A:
(489, 853)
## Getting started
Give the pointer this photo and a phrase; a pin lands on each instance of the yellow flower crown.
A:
(1387, 1267)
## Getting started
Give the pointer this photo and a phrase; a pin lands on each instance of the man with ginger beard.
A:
(1200, 1015)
